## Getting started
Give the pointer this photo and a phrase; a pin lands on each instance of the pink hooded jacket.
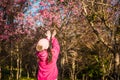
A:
(48, 71)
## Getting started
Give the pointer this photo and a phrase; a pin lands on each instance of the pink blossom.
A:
(4, 37)
(1, 13)
(51, 1)
(19, 1)
(61, 0)
(6, 27)
(42, 3)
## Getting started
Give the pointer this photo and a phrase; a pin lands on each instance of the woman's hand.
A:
(48, 34)
(54, 33)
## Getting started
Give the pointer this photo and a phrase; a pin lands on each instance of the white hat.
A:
(44, 43)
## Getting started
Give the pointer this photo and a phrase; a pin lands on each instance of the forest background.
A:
(88, 33)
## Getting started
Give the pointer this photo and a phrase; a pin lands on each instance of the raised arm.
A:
(55, 45)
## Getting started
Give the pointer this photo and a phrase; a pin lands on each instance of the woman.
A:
(48, 57)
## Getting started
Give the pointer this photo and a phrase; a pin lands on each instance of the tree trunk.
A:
(117, 61)
(116, 55)
(28, 75)
(74, 55)
(73, 69)
(11, 66)
(83, 77)
(27, 71)
(34, 71)
(18, 68)
(62, 66)
(0, 73)
(19, 62)
(116, 66)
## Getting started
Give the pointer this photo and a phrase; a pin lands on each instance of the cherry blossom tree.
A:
(83, 26)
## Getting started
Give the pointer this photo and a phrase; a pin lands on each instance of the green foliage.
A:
(93, 60)
(5, 74)
(93, 71)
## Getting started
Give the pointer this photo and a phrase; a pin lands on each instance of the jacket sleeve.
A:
(41, 55)
(55, 46)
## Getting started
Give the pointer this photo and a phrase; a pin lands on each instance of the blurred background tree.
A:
(88, 32)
